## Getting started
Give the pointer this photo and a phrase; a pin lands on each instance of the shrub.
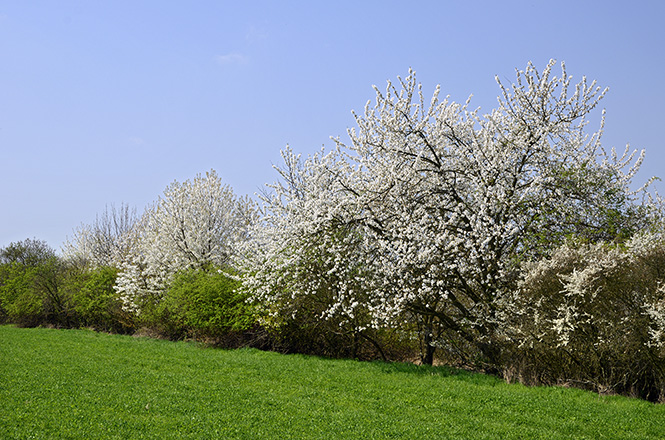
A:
(19, 302)
(30, 285)
(37, 287)
(96, 303)
(204, 304)
(591, 315)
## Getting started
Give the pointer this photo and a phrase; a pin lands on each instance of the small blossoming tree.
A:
(193, 225)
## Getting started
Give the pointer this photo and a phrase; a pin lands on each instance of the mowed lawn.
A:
(78, 384)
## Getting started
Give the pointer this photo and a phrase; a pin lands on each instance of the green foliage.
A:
(19, 303)
(39, 288)
(82, 385)
(29, 284)
(95, 302)
(205, 304)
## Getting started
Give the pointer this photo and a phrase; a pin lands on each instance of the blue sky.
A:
(106, 103)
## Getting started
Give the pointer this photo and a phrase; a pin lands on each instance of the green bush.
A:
(205, 304)
(95, 302)
(37, 287)
(30, 276)
(19, 302)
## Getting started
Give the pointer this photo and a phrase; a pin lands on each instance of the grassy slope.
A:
(81, 384)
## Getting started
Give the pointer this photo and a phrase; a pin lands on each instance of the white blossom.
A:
(194, 224)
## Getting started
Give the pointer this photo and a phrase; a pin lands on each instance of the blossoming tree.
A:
(193, 225)
(435, 205)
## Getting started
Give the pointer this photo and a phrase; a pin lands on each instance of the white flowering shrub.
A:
(421, 221)
(591, 314)
(195, 224)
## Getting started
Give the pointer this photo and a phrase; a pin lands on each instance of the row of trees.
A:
(510, 241)
(168, 271)
(38, 287)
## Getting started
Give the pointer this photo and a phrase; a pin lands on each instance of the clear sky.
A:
(106, 103)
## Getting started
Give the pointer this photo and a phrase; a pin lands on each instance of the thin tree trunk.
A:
(427, 355)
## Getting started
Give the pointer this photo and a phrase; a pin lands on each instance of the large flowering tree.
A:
(195, 224)
(436, 205)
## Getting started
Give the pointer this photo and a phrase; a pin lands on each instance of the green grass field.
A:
(76, 384)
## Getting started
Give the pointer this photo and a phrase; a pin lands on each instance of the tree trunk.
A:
(427, 352)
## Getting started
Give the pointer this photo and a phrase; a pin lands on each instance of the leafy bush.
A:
(37, 287)
(30, 278)
(19, 303)
(96, 303)
(204, 304)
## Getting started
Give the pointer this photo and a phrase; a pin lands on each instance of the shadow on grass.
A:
(443, 371)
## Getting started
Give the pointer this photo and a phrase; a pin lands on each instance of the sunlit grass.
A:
(59, 384)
